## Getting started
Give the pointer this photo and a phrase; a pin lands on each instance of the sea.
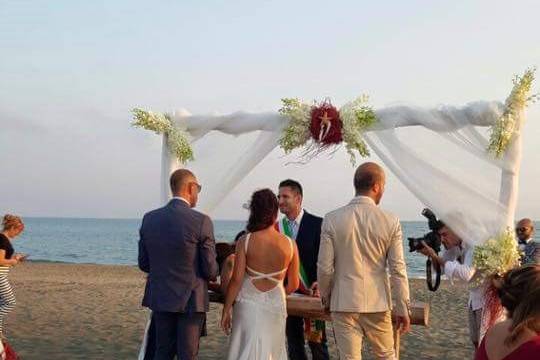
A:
(114, 241)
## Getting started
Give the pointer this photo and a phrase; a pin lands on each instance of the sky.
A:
(70, 71)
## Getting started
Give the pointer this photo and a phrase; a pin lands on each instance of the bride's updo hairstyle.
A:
(519, 292)
(263, 210)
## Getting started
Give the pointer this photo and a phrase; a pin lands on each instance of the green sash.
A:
(313, 329)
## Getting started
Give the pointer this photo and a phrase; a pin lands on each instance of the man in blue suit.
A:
(177, 250)
(530, 250)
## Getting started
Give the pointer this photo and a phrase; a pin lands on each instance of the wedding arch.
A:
(476, 213)
(481, 214)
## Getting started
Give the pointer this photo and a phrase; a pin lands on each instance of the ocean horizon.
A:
(115, 241)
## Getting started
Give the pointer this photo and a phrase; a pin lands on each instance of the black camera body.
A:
(432, 238)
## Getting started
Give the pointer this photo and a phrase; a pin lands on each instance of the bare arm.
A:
(293, 277)
(226, 273)
(234, 285)
(7, 262)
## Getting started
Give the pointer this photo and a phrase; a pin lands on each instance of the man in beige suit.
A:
(358, 242)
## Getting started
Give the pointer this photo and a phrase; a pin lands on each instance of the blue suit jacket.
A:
(531, 254)
(177, 250)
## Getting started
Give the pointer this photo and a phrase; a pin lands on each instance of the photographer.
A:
(456, 262)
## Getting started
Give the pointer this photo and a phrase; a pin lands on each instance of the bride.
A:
(264, 258)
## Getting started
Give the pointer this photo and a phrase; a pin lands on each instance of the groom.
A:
(177, 250)
(359, 242)
(305, 228)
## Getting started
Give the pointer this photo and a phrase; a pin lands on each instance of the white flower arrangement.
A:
(504, 129)
(356, 117)
(160, 123)
(496, 256)
(296, 133)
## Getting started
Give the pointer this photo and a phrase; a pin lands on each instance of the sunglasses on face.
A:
(199, 186)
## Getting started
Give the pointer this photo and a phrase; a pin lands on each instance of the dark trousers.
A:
(177, 334)
(296, 342)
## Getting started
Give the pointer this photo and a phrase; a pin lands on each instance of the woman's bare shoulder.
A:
(498, 332)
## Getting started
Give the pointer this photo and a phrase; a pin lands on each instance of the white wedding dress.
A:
(259, 317)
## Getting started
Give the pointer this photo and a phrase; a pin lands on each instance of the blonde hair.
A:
(11, 221)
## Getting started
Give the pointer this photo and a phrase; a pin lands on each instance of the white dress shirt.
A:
(295, 224)
(522, 246)
(463, 271)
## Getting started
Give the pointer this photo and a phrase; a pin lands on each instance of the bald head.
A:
(525, 229)
(369, 180)
(367, 175)
(525, 222)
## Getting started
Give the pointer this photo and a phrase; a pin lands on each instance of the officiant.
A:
(305, 229)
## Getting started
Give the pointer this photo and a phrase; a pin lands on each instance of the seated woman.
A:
(518, 337)
(225, 260)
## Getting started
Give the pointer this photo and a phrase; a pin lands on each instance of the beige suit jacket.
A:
(358, 242)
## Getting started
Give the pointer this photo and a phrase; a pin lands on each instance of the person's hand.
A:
(403, 324)
(315, 290)
(226, 320)
(20, 257)
(427, 251)
(325, 303)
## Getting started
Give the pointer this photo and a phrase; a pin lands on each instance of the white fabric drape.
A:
(475, 211)
(244, 140)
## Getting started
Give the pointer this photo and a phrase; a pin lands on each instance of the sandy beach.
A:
(67, 311)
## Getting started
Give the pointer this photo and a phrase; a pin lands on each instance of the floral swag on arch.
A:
(482, 220)
(325, 126)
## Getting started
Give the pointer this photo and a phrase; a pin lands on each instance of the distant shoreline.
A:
(140, 218)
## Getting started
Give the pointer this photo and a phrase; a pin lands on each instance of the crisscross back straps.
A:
(268, 276)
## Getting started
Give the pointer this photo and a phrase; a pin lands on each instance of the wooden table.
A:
(310, 307)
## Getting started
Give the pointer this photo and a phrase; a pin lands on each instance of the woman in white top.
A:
(264, 259)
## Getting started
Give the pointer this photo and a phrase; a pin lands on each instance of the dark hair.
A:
(293, 184)
(239, 235)
(178, 178)
(223, 251)
(440, 224)
(519, 292)
(263, 210)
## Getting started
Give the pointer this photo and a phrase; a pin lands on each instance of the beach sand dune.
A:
(67, 311)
